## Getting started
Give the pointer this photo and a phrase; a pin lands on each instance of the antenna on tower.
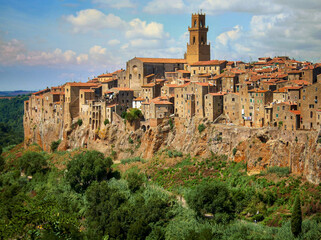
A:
(201, 11)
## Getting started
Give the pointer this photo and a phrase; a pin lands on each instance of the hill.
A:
(14, 93)
(11, 120)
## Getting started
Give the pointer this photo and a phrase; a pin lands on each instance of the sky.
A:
(45, 43)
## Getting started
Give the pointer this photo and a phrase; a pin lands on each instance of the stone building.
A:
(197, 48)
(213, 67)
(232, 107)
(308, 104)
(213, 105)
(138, 69)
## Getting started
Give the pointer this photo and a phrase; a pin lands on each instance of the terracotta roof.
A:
(81, 84)
(139, 99)
(218, 94)
(87, 90)
(171, 85)
(209, 63)
(205, 75)
(118, 71)
(203, 84)
(183, 71)
(294, 72)
(108, 92)
(105, 75)
(258, 91)
(112, 105)
(301, 82)
(161, 102)
(161, 60)
(41, 91)
(57, 93)
(160, 80)
(148, 85)
(296, 112)
(150, 75)
(123, 89)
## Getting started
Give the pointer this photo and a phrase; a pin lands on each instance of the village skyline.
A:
(48, 43)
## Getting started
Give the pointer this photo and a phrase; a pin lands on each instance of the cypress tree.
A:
(296, 218)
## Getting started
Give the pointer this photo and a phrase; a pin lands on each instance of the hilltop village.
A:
(276, 92)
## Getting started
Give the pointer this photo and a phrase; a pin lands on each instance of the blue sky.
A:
(48, 42)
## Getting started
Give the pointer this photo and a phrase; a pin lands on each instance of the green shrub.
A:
(106, 122)
(201, 127)
(259, 159)
(54, 145)
(79, 122)
(319, 139)
(130, 140)
(32, 162)
(280, 171)
(174, 153)
(131, 160)
(234, 151)
(296, 218)
(133, 114)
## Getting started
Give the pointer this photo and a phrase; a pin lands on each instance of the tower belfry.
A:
(197, 48)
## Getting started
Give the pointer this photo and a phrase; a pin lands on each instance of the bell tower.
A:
(197, 48)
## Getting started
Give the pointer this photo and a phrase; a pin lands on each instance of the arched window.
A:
(193, 40)
(130, 76)
(138, 76)
(202, 40)
(201, 24)
(195, 23)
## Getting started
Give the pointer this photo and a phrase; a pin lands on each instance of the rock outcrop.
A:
(260, 148)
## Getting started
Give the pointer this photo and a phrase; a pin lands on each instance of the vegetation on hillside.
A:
(11, 124)
(80, 195)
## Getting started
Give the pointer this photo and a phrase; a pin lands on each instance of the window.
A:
(278, 108)
(311, 114)
(283, 107)
(277, 115)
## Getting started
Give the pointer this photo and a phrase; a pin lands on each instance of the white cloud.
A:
(232, 35)
(164, 6)
(93, 19)
(140, 29)
(15, 53)
(113, 42)
(114, 4)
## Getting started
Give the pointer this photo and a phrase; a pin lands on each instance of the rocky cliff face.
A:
(259, 148)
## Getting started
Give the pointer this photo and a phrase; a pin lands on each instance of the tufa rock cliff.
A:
(260, 148)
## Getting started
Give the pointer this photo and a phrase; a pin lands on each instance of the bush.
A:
(106, 122)
(32, 162)
(280, 171)
(234, 151)
(79, 122)
(212, 198)
(131, 160)
(87, 167)
(201, 127)
(133, 114)
(130, 140)
(296, 218)
(54, 145)
(174, 153)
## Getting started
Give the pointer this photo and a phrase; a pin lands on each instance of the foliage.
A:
(11, 120)
(135, 181)
(234, 151)
(54, 145)
(32, 162)
(133, 114)
(212, 198)
(296, 218)
(201, 127)
(87, 167)
(280, 171)
(174, 153)
(130, 140)
(106, 122)
(131, 160)
(79, 122)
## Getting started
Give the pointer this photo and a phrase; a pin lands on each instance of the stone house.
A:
(231, 103)
(213, 105)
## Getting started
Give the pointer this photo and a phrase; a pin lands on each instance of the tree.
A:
(135, 181)
(87, 167)
(133, 114)
(296, 218)
(201, 127)
(32, 162)
(214, 198)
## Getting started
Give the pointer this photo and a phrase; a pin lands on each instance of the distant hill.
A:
(11, 124)
(14, 93)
